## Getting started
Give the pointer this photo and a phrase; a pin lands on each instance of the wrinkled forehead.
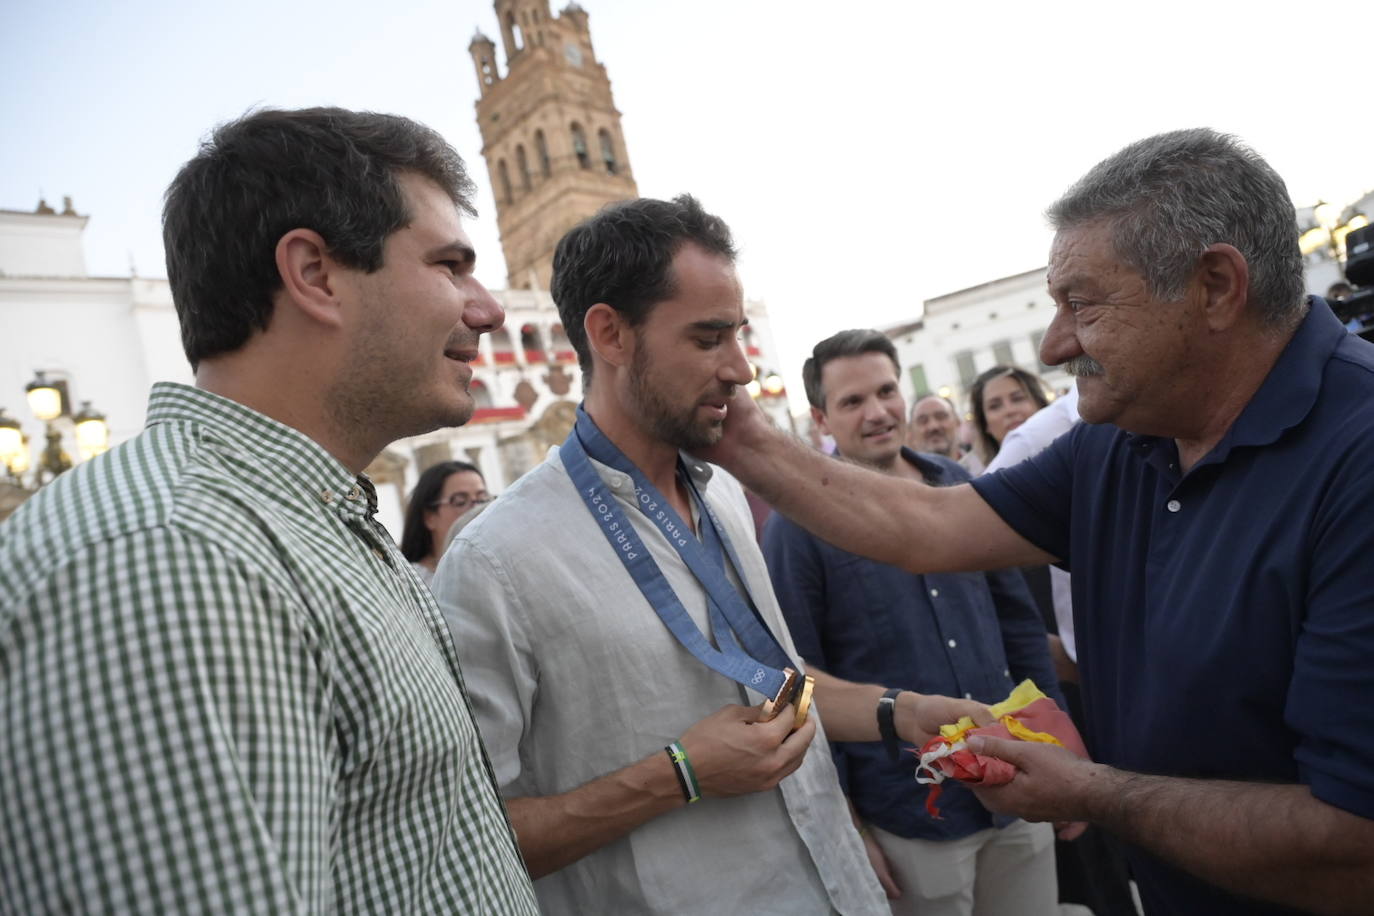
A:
(932, 405)
(1082, 256)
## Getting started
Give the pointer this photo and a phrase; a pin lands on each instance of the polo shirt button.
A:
(935, 593)
(1173, 505)
(968, 696)
(952, 644)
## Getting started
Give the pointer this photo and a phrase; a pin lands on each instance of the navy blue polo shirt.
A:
(1224, 618)
(958, 634)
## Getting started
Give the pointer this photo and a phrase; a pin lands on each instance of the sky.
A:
(867, 154)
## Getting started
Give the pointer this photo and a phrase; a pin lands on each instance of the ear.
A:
(309, 275)
(1224, 280)
(608, 335)
(818, 417)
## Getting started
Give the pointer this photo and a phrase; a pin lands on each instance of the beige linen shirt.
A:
(572, 676)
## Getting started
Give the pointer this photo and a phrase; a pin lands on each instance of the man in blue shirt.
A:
(1215, 511)
(974, 635)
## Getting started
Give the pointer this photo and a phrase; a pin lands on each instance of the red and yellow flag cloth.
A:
(1026, 715)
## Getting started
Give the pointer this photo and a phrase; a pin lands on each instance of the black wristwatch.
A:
(887, 727)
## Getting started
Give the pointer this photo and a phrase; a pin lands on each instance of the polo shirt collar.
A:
(1283, 400)
(284, 452)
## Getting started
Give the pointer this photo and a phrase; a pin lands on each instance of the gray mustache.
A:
(1085, 365)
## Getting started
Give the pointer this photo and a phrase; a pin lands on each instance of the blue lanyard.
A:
(748, 653)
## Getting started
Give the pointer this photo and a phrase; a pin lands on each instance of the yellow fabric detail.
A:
(956, 732)
(1025, 694)
(1020, 730)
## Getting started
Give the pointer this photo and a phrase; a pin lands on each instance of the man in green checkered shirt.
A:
(222, 689)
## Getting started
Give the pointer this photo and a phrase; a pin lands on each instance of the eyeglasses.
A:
(462, 501)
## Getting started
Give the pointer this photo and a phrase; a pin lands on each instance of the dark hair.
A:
(416, 542)
(1029, 381)
(257, 178)
(845, 343)
(1170, 196)
(623, 256)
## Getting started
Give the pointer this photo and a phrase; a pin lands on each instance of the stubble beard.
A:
(374, 396)
(665, 422)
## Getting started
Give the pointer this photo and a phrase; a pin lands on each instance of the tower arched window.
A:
(579, 139)
(532, 345)
(503, 176)
(541, 148)
(523, 165)
(607, 151)
(516, 36)
(480, 394)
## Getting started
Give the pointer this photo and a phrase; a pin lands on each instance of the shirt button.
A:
(354, 492)
(952, 644)
(1173, 505)
(1006, 673)
(935, 593)
(968, 696)
(326, 496)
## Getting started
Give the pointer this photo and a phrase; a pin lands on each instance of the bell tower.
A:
(550, 132)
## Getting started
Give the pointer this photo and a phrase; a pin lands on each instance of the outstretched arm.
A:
(850, 710)
(891, 520)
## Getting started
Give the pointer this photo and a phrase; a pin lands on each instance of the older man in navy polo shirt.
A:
(1215, 509)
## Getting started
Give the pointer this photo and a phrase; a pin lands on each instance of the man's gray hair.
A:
(1170, 196)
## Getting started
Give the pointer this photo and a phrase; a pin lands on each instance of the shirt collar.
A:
(288, 453)
(1288, 392)
(930, 470)
(698, 470)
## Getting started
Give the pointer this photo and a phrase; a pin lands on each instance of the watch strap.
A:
(887, 726)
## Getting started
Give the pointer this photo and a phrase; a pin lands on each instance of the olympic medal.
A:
(803, 701)
(772, 707)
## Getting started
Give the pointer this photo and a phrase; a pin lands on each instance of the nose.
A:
(482, 312)
(1060, 343)
(735, 369)
(873, 411)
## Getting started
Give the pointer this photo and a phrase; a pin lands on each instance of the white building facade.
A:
(966, 332)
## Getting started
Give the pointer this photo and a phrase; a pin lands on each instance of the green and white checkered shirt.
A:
(223, 690)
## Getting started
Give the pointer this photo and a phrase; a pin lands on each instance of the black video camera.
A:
(1357, 309)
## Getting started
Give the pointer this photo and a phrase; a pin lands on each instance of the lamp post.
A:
(48, 402)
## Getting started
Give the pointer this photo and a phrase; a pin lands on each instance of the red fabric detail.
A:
(1043, 715)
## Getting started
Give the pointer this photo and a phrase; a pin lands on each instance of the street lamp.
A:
(92, 432)
(47, 401)
(45, 398)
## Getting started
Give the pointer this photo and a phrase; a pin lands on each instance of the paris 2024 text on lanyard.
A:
(748, 653)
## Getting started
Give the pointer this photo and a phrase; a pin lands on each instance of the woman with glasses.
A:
(445, 492)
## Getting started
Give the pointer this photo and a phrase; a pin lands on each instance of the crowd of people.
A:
(226, 689)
